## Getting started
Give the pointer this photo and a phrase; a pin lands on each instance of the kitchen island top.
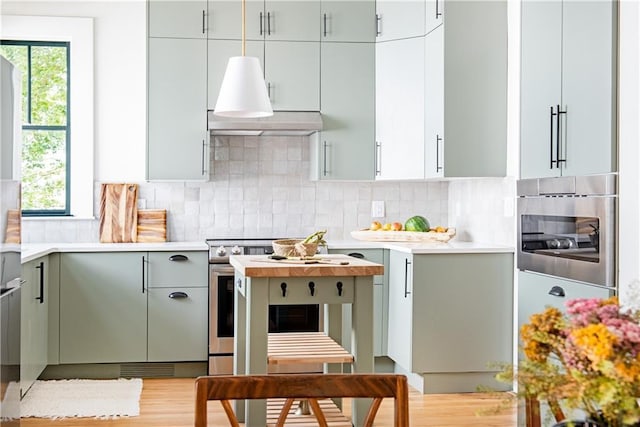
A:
(326, 265)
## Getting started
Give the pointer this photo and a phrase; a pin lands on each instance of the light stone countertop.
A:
(452, 246)
(31, 251)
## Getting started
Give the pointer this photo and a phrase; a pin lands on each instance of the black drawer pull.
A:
(178, 295)
(283, 286)
(178, 258)
(557, 291)
(312, 288)
(356, 255)
(339, 286)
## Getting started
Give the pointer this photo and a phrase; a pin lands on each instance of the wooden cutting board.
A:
(118, 213)
(12, 234)
(152, 225)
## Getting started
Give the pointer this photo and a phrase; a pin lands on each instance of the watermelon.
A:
(417, 223)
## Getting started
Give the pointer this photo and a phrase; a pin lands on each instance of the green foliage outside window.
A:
(45, 131)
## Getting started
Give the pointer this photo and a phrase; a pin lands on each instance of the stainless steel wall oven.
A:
(567, 227)
(282, 318)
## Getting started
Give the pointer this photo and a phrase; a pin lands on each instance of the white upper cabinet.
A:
(224, 19)
(434, 14)
(399, 19)
(400, 109)
(348, 21)
(434, 104)
(179, 19)
(568, 88)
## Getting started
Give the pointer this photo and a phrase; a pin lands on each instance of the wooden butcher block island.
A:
(328, 280)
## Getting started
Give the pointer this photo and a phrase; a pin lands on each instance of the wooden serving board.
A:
(119, 213)
(152, 225)
(404, 236)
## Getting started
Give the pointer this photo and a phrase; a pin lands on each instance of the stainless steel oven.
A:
(567, 227)
(282, 318)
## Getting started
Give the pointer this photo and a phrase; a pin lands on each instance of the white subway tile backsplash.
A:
(259, 187)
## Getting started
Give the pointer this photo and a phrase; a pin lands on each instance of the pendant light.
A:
(243, 93)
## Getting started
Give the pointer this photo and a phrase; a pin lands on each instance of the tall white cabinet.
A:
(441, 95)
(568, 90)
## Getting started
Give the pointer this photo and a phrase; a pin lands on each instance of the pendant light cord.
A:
(243, 27)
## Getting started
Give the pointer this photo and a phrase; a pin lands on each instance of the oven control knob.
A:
(221, 251)
(236, 250)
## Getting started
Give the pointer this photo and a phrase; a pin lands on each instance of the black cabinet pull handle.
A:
(178, 257)
(261, 23)
(204, 27)
(378, 22)
(339, 286)
(406, 277)
(178, 295)
(41, 268)
(324, 24)
(312, 288)
(143, 278)
(557, 291)
(283, 286)
(268, 23)
(551, 115)
(438, 13)
(356, 255)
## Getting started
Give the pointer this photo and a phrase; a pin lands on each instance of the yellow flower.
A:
(595, 341)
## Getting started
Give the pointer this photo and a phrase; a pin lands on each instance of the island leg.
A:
(257, 328)
(239, 343)
(362, 339)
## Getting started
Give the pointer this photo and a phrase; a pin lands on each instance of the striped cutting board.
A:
(118, 213)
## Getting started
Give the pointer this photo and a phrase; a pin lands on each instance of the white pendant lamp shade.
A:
(243, 92)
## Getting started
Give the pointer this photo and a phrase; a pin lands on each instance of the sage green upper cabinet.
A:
(178, 143)
(292, 75)
(348, 114)
(34, 322)
(400, 109)
(399, 19)
(434, 103)
(178, 19)
(568, 67)
(434, 14)
(224, 18)
(348, 21)
(103, 309)
(283, 20)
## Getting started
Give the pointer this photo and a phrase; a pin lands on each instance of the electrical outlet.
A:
(377, 209)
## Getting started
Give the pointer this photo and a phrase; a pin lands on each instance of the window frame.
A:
(80, 32)
(67, 127)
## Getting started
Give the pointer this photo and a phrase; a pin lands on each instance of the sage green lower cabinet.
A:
(34, 322)
(177, 324)
(380, 299)
(103, 308)
(450, 318)
(123, 307)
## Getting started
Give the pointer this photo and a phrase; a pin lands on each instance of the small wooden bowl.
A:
(294, 248)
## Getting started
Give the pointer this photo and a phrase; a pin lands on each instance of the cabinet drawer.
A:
(298, 290)
(186, 268)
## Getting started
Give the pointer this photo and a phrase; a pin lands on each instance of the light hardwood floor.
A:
(170, 403)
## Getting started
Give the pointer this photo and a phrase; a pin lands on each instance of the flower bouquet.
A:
(588, 359)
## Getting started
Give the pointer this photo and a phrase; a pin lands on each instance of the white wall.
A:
(629, 154)
(120, 79)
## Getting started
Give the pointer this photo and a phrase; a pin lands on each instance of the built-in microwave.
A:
(567, 227)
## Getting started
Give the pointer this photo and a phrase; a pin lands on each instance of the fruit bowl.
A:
(404, 236)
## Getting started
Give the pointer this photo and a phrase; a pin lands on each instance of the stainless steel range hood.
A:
(282, 123)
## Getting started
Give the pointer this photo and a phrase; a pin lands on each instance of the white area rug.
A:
(83, 398)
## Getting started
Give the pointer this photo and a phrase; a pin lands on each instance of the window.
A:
(45, 67)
